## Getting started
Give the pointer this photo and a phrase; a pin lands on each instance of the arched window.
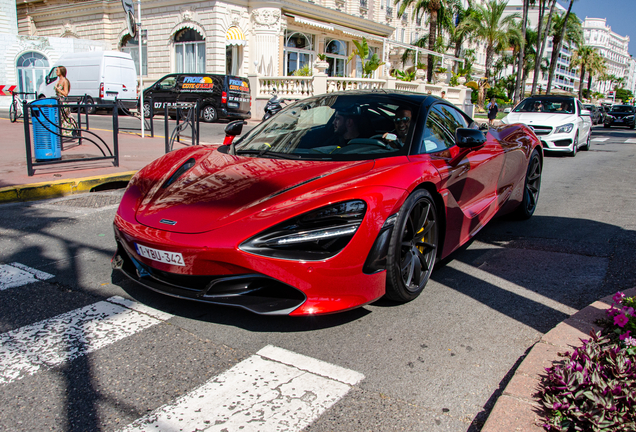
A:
(131, 46)
(299, 51)
(189, 49)
(336, 52)
(32, 69)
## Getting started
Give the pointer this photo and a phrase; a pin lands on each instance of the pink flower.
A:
(618, 297)
(626, 335)
(628, 311)
(620, 320)
(612, 311)
(630, 341)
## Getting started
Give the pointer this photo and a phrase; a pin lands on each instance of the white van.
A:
(100, 75)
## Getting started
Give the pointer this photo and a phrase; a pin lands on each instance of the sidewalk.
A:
(515, 410)
(74, 177)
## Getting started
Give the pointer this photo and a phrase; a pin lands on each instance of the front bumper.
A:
(255, 292)
(619, 122)
(557, 142)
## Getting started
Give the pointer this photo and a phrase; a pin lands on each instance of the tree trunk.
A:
(431, 45)
(581, 82)
(543, 41)
(518, 89)
(557, 48)
(538, 48)
(589, 85)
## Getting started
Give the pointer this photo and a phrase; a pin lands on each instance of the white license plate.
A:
(173, 258)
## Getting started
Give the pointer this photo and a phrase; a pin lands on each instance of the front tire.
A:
(146, 109)
(13, 112)
(586, 147)
(531, 188)
(208, 113)
(412, 247)
(575, 146)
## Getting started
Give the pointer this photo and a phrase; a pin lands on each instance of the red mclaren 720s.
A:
(334, 202)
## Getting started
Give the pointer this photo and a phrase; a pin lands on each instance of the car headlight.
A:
(609, 116)
(566, 128)
(316, 235)
(629, 118)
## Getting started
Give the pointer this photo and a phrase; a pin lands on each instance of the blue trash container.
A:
(46, 128)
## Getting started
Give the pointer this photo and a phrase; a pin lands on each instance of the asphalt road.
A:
(435, 364)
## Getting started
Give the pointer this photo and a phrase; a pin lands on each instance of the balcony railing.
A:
(364, 4)
(389, 11)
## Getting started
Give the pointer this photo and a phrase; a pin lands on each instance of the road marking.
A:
(273, 390)
(512, 287)
(51, 342)
(15, 275)
(630, 141)
(600, 139)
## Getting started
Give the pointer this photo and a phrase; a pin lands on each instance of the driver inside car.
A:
(402, 123)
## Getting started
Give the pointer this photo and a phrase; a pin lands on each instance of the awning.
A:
(234, 36)
(313, 23)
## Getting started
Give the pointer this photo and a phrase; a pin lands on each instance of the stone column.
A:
(264, 45)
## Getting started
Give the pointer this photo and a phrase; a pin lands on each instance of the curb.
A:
(517, 409)
(59, 188)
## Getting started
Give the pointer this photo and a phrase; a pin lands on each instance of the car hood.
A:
(544, 119)
(220, 189)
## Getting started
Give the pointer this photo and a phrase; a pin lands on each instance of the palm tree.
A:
(458, 33)
(524, 21)
(432, 8)
(542, 30)
(597, 67)
(582, 57)
(566, 28)
(488, 24)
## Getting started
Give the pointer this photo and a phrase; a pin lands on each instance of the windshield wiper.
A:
(261, 153)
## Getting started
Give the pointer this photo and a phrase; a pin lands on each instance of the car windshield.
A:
(622, 108)
(335, 127)
(546, 105)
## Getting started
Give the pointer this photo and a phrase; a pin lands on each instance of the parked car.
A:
(97, 76)
(219, 96)
(620, 115)
(303, 217)
(561, 122)
(595, 111)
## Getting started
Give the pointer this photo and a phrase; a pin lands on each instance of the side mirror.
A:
(507, 110)
(586, 112)
(484, 127)
(234, 128)
(469, 138)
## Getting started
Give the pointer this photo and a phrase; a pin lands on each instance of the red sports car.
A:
(334, 202)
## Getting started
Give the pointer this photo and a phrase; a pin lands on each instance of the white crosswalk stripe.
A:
(51, 342)
(274, 390)
(630, 141)
(599, 139)
(16, 275)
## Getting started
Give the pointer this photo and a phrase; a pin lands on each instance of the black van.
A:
(220, 96)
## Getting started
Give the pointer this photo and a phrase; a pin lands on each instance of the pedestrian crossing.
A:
(272, 390)
(614, 140)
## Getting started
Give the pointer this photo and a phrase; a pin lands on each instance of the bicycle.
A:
(15, 109)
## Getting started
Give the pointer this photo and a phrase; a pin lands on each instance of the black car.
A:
(595, 112)
(219, 96)
(620, 115)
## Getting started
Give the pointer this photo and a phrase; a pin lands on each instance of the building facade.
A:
(612, 47)
(237, 37)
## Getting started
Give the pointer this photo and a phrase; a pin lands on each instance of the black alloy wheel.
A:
(209, 114)
(146, 109)
(532, 186)
(412, 248)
